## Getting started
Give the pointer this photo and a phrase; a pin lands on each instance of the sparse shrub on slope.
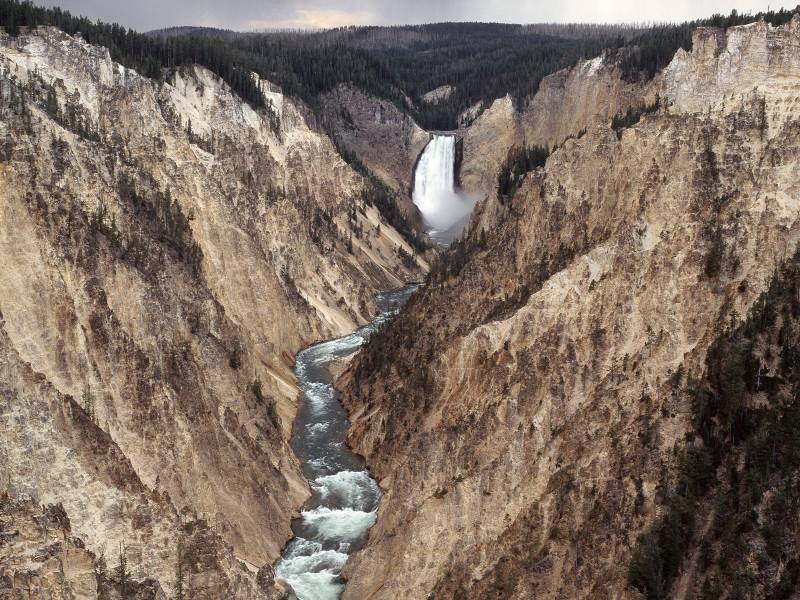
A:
(735, 501)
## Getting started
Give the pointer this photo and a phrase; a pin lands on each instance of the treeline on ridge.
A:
(482, 61)
(653, 49)
(147, 55)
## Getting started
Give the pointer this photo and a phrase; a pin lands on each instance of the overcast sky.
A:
(261, 14)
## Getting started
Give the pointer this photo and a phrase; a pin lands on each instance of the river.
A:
(344, 502)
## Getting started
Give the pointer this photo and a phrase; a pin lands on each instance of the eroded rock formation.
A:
(385, 139)
(164, 252)
(567, 104)
(524, 412)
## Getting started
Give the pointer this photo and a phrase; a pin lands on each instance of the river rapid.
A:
(344, 502)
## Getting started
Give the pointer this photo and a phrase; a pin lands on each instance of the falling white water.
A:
(444, 210)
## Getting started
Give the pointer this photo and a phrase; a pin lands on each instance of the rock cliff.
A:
(165, 250)
(566, 104)
(384, 139)
(524, 414)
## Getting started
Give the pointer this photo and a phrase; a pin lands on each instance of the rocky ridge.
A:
(566, 104)
(165, 250)
(522, 413)
(384, 139)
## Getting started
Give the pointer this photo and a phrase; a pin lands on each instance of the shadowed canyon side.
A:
(165, 250)
(381, 136)
(525, 440)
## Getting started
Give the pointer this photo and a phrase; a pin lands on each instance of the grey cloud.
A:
(250, 14)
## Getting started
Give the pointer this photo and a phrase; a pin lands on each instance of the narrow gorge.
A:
(344, 501)
(449, 311)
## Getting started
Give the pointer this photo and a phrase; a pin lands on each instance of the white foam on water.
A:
(316, 586)
(347, 497)
(348, 489)
(317, 428)
(338, 525)
(301, 547)
(318, 395)
(324, 561)
(326, 351)
(312, 572)
(321, 464)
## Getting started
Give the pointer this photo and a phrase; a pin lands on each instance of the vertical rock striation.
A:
(567, 103)
(523, 412)
(165, 250)
(384, 139)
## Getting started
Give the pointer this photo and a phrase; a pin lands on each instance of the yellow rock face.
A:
(521, 437)
(165, 250)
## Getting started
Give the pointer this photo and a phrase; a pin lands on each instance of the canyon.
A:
(525, 440)
(166, 250)
(186, 276)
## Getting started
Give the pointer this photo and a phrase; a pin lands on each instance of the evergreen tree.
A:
(101, 576)
(179, 576)
(519, 162)
(122, 572)
(88, 404)
(482, 61)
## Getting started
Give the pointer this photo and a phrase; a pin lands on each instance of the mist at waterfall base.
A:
(445, 210)
(344, 501)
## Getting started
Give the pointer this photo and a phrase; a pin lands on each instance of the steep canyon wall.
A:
(165, 250)
(523, 414)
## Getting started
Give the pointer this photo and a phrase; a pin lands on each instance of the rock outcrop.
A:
(165, 250)
(41, 558)
(523, 413)
(38, 556)
(485, 148)
(572, 100)
(566, 105)
(382, 137)
(439, 94)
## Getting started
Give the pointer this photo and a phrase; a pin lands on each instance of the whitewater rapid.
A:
(345, 498)
(444, 210)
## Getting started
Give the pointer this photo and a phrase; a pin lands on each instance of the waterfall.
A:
(434, 179)
(444, 211)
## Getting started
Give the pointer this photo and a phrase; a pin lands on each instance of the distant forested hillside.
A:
(147, 55)
(482, 61)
